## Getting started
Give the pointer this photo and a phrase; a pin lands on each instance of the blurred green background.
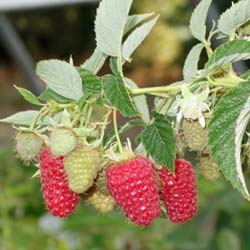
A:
(223, 220)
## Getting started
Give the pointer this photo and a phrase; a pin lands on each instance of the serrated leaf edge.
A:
(240, 129)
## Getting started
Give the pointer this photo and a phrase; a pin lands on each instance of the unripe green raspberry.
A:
(101, 202)
(101, 183)
(28, 146)
(62, 141)
(82, 166)
(209, 168)
(195, 136)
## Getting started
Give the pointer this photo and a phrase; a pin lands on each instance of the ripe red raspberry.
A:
(58, 198)
(179, 191)
(133, 185)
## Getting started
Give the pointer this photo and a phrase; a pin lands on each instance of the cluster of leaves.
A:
(215, 90)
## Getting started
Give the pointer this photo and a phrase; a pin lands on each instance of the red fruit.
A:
(133, 185)
(179, 191)
(58, 198)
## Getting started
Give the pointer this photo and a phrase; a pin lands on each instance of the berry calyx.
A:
(133, 185)
(179, 191)
(62, 141)
(58, 198)
(82, 166)
(28, 146)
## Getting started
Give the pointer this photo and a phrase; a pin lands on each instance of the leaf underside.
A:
(191, 63)
(234, 17)
(198, 20)
(137, 37)
(61, 77)
(21, 118)
(109, 34)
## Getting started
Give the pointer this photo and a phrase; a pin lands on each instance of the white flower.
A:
(193, 105)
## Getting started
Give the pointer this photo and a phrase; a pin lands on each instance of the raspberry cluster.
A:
(133, 185)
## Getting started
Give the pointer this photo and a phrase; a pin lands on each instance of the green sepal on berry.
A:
(28, 145)
(82, 166)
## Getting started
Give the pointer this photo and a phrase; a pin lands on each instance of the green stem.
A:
(119, 143)
(119, 65)
(164, 89)
(166, 106)
(34, 122)
(226, 82)
(84, 114)
(208, 48)
(220, 84)
(99, 141)
(160, 105)
(66, 105)
(89, 113)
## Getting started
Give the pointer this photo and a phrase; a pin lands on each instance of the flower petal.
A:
(179, 116)
(202, 121)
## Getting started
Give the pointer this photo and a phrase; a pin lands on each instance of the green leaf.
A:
(229, 52)
(140, 102)
(117, 94)
(109, 34)
(159, 141)
(92, 85)
(234, 17)
(137, 37)
(98, 58)
(198, 20)
(191, 63)
(49, 95)
(21, 118)
(61, 77)
(28, 96)
(135, 20)
(226, 130)
(95, 62)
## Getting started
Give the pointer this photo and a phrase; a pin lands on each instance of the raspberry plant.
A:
(207, 112)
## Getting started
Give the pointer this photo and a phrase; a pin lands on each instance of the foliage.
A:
(213, 94)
